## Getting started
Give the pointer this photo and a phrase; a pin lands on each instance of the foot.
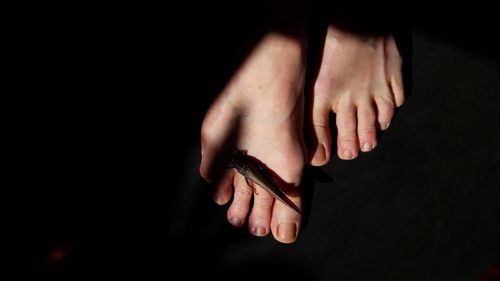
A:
(360, 80)
(261, 110)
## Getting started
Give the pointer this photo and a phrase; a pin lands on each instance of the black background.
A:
(113, 146)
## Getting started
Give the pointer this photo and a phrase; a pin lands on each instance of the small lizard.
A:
(256, 173)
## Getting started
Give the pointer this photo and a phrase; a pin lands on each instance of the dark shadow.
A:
(271, 270)
(312, 175)
(116, 178)
(472, 30)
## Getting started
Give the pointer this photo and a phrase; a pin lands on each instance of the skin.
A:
(256, 173)
(264, 100)
(360, 80)
(261, 111)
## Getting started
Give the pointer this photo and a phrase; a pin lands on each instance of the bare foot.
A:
(261, 109)
(360, 80)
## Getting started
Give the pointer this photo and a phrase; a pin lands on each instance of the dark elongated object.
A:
(256, 173)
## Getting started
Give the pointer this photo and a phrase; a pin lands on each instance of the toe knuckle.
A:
(265, 199)
(386, 115)
(242, 192)
(368, 130)
(367, 115)
(346, 124)
(347, 138)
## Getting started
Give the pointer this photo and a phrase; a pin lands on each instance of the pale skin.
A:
(265, 100)
(359, 80)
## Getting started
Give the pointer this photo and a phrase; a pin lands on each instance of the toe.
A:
(260, 218)
(385, 111)
(238, 210)
(215, 129)
(285, 223)
(321, 136)
(222, 181)
(222, 192)
(367, 132)
(394, 71)
(347, 140)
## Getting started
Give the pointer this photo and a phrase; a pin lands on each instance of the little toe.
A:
(367, 131)
(238, 210)
(347, 140)
(394, 64)
(385, 111)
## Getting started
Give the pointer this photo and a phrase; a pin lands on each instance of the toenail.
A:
(236, 222)
(259, 231)
(219, 200)
(347, 154)
(385, 126)
(287, 231)
(367, 147)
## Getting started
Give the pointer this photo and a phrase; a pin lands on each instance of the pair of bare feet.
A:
(262, 110)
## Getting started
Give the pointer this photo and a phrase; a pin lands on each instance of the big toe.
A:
(286, 221)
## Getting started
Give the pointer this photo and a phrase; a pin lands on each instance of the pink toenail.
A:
(236, 222)
(367, 147)
(347, 154)
(259, 231)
